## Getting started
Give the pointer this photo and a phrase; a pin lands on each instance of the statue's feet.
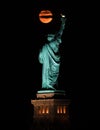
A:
(49, 88)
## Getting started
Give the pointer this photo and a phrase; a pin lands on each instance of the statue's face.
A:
(50, 37)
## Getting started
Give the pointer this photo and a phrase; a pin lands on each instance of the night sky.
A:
(22, 37)
(40, 31)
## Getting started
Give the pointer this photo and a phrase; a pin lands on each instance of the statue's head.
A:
(50, 37)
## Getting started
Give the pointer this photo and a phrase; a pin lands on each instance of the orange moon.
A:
(45, 16)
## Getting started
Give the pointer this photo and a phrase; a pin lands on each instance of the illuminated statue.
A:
(50, 59)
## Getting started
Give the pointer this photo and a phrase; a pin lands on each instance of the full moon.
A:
(45, 16)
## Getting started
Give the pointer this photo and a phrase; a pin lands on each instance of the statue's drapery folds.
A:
(49, 57)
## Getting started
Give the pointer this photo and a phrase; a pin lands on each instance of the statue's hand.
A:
(63, 19)
(62, 15)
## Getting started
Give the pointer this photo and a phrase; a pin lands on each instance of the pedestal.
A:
(51, 111)
(44, 94)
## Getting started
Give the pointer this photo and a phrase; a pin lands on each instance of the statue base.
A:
(51, 114)
(51, 110)
(42, 94)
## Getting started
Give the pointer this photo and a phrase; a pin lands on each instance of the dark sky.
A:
(39, 32)
(22, 37)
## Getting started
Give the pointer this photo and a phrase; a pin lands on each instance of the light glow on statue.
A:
(49, 57)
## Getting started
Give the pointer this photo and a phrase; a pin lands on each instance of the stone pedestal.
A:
(51, 111)
(44, 94)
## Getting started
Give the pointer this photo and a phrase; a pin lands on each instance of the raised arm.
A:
(62, 27)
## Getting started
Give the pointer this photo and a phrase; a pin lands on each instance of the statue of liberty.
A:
(49, 57)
